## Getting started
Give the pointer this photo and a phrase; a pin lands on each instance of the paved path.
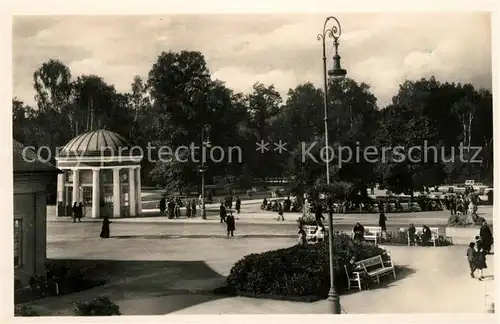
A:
(252, 214)
(153, 277)
(64, 231)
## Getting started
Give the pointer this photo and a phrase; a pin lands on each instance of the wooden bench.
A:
(372, 233)
(374, 267)
(311, 235)
(434, 235)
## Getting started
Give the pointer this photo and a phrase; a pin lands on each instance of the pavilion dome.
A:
(96, 143)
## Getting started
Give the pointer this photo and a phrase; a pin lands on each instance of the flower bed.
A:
(297, 273)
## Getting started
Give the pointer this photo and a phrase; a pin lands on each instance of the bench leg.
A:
(359, 283)
(394, 272)
(348, 284)
(378, 279)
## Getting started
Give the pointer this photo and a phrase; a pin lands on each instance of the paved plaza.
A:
(151, 272)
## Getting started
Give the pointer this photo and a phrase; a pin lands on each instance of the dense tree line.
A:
(178, 97)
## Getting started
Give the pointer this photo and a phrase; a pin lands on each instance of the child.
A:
(479, 243)
(480, 260)
(470, 258)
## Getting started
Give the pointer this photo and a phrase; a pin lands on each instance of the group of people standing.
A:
(477, 251)
(78, 211)
(173, 208)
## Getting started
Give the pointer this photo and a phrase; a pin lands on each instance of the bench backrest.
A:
(373, 230)
(370, 262)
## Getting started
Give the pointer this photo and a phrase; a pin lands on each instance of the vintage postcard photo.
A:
(301, 163)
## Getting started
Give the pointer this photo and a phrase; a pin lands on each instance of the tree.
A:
(52, 83)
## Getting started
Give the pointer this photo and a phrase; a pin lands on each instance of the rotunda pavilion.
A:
(102, 171)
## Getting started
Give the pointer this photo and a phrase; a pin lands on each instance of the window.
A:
(17, 243)
(87, 196)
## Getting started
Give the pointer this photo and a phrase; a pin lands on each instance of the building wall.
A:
(30, 205)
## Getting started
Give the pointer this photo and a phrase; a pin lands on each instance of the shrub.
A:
(24, 310)
(297, 271)
(100, 306)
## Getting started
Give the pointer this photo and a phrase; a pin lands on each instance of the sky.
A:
(380, 49)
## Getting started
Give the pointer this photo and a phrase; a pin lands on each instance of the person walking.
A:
(193, 208)
(318, 215)
(79, 215)
(480, 260)
(471, 253)
(74, 209)
(105, 231)
(222, 213)
(238, 205)
(162, 206)
(230, 223)
(486, 237)
(280, 212)
(382, 220)
(411, 234)
(453, 206)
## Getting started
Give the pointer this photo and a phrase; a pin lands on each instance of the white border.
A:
(114, 7)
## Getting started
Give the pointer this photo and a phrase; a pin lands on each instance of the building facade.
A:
(31, 177)
(101, 170)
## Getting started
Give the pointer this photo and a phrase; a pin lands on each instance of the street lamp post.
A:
(336, 73)
(205, 142)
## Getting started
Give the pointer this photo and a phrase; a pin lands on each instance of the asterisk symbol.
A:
(262, 146)
(280, 147)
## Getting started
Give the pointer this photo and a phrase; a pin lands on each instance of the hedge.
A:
(298, 271)
(99, 306)
(401, 238)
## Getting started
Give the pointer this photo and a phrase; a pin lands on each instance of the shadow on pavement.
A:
(139, 287)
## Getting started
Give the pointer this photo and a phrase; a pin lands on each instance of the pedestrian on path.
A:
(411, 234)
(193, 208)
(162, 206)
(222, 213)
(382, 220)
(486, 237)
(238, 204)
(105, 231)
(74, 209)
(470, 258)
(280, 212)
(80, 212)
(231, 224)
(480, 260)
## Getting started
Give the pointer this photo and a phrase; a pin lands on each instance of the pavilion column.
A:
(76, 186)
(61, 204)
(96, 193)
(139, 198)
(131, 194)
(116, 193)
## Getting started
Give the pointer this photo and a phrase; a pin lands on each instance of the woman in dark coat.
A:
(238, 205)
(163, 206)
(105, 233)
(411, 234)
(74, 209)
(230, 222)
(426, 235)
(486, 237)
(382, 219)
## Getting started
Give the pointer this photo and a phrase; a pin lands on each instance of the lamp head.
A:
(337, 72)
